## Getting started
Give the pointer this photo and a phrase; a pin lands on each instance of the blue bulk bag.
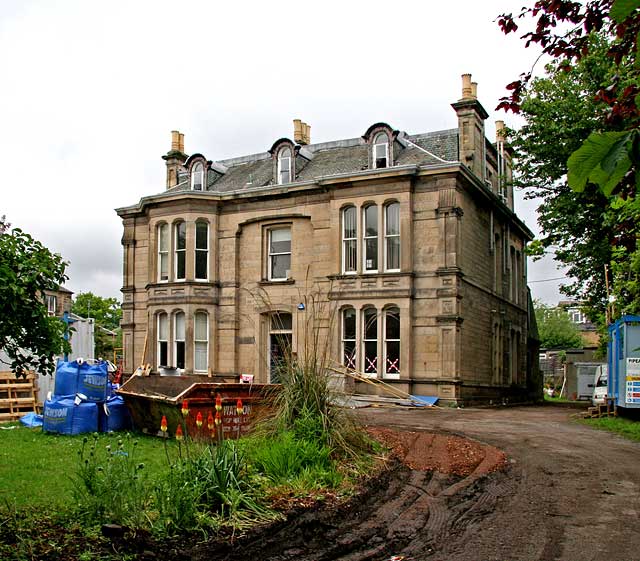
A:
(66, 382)
(114, 415)
(93, 380)
(63, 416)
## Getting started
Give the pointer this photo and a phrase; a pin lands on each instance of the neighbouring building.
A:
(409, 240)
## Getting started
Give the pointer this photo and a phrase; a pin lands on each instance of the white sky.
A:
(90, 90)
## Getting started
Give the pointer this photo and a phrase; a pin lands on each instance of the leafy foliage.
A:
(556, 329)
(30, 338)
(579, 227)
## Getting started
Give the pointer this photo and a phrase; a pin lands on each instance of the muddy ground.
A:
(562, 492)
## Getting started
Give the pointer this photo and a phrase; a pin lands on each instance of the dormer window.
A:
(381, 151)
(197, 177)
(284, 166)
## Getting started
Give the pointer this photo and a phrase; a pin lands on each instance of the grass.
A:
(36, 468)
(549, 399)
(624, 427)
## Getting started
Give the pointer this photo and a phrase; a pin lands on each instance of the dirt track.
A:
(574, 493)
(568, 493)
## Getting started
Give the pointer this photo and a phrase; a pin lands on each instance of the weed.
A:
(111, 484)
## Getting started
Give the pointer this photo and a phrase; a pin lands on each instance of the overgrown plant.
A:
(110, 485)
(307, 401)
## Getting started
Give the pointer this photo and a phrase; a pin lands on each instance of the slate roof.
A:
(329, 158)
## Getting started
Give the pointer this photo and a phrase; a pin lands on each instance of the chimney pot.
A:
(175, 141)
(307, 133)
(474, 90)
(298, 132)
(499, 131)
(181, 143)
(466, 86)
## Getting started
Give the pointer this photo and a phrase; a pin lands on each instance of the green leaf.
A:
(589, 157)
(622, 9)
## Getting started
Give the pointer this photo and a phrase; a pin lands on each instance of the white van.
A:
(600, 385)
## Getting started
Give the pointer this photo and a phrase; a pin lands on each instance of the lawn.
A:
(36, 468)
(625, 427)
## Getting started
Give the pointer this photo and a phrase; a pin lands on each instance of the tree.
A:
(598, 149)
(555, 328)
(107, 314)
(561, 110)
(28, 336)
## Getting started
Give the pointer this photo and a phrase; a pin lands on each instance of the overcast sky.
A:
(90, 91)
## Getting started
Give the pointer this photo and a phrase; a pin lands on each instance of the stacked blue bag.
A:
(84, 401)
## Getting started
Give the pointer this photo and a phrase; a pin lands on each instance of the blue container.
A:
(90, 380)
(64, 416)
(114, 415)
(623, 359)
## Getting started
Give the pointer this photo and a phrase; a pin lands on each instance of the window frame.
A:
(387, 236)
(374, 149)
(179, 254)
(52, 304)
(366, 237)
(386, 340)
(271, 254)
(204, 250)
(197, 169)
(352, 241)
(163, 253)
(364, 341)
(159, 341)
(280, 159)
(176, 340)
(353, 362)
(201, 341)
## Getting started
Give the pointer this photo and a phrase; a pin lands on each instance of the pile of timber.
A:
(606, 409)
(17, 395)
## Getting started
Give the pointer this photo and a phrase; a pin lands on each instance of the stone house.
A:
(410, 240)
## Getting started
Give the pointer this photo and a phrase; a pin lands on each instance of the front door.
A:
(280, 340)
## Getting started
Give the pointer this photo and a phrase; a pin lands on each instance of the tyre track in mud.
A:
(405, 511)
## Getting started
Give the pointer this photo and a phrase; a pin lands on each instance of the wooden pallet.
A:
(17, 395)
(606, 409)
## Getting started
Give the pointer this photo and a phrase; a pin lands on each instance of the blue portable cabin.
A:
(623, 357)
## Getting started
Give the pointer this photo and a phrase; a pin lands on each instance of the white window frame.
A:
(388, 236)
(353, 241)
(204, 250)
(271, 254)
(365, 237)
(392, 375)
(179, 252)
(197, 170)
(201, 341)
(182, 340)
(159, 341)
(282, 158)
(163, 252)
(385, 146)
(52, 304)
(344, 340)
(364, 341)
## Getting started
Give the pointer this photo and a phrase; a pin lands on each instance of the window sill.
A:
(384, 274)
(266, 282)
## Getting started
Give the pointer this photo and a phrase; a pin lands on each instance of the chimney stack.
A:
(175, 158)
(301, 132)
